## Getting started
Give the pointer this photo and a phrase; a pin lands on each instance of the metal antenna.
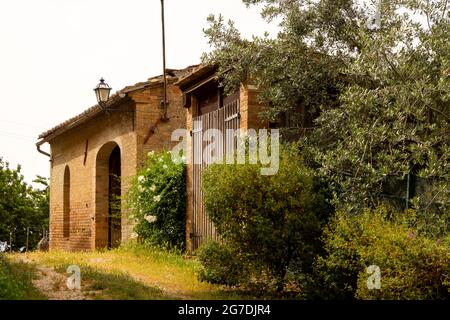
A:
(164, 117)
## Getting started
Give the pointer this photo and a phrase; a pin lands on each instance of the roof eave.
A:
(195, 76)
(82, 117)
(120, 96)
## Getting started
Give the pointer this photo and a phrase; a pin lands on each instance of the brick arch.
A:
(107, 228)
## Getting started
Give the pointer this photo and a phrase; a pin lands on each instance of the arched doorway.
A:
(108, 226)
(114, 193)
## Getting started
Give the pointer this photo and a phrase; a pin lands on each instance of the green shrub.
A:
(268, 223)
(158, 201)
(412, 265)
(220, 264)
(24, 210)
(10, 288)
(16, 281)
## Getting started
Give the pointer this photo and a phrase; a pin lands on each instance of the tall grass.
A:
(16, 281)
(156, 273)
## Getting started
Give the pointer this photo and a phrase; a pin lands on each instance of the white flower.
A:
(134, 235)
(160, 159)
(153, 188)
(157, 198)
(151, 153)
(141, 179)
(165, 166)
(177, 159)
(150, 219)
(141, 189)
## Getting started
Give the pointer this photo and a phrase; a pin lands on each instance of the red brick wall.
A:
(87, 200)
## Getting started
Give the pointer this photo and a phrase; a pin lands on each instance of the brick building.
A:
(90, 151)
(208, 108)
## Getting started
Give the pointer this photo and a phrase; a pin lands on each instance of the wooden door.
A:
(223, 119)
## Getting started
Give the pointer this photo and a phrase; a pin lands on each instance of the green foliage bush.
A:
(221, 265)
(379, 100)
(15, 281)
(268, 223)
(379, 96)
(10, 289)
(158, 201)
(22, 208)
(413, 265)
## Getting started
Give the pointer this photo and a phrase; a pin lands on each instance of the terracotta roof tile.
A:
(197, 72)
(172, 75)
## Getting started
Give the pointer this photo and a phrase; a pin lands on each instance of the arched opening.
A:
(66, 204)
(108, 226)
(114, 210)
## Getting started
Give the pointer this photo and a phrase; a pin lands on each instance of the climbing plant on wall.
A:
(158, 201)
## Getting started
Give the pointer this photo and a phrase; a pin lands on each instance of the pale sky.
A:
(53, 52)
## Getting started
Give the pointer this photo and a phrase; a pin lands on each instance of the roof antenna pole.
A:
(164, 117)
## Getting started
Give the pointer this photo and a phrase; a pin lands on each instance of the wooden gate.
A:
(223, 119)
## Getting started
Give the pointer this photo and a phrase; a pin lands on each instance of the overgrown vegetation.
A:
(158, 201)
(271, 225)
(15, 281)
(137, 272)
(370, 85)
(375, 80)
(24, 210)
(412, 265)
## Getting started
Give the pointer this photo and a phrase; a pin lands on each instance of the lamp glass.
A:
(102, 92)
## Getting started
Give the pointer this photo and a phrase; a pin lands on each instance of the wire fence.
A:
(23, 240)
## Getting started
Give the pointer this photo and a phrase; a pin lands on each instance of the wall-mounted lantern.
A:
(102, 92)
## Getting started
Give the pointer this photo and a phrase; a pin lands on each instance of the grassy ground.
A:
(15, 281)
(135, 272)
(116, 285)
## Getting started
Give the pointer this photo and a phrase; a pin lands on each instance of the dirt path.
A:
(177, 294)
(118, 275)
(53, 284)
